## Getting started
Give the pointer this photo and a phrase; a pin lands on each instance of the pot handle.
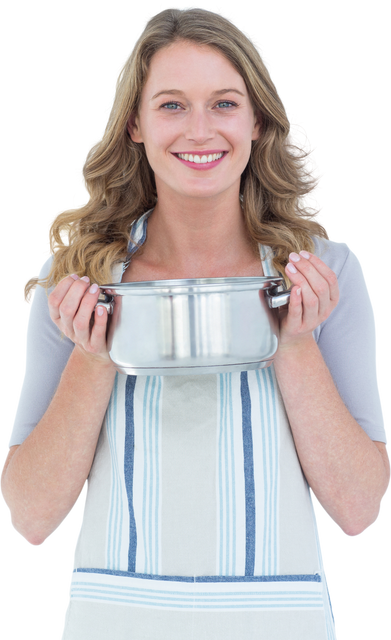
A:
(277, 298)
(106, 300)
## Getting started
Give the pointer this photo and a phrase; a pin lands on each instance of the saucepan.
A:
(195, 326)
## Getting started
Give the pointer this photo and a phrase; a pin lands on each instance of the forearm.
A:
(342, 465)
(47, 472)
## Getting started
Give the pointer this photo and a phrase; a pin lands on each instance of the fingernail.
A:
(100, 311)
(85, 278)
(93, 288)
(74, 276)
(305, 254)
(291, 268)
(298, 291)
(294, 257)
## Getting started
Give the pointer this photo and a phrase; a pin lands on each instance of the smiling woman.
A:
(119, 175)
(199, 520)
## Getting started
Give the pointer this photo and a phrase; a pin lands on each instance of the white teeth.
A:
(200, 160)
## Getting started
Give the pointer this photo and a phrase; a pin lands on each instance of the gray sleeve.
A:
(47, 355)
(347, 340)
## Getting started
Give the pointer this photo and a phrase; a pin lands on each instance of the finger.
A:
(324, 271)
(85, 314)
(306, 273)
(69, 306)
(58, 294)
(98, 332)
(324, 284)
(294, 318)
(71, 301)
(310, 300)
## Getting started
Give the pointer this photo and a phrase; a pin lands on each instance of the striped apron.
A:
(198, 522)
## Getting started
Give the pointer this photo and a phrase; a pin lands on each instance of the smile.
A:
(203, 161)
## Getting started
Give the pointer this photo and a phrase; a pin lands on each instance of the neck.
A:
(187, 235)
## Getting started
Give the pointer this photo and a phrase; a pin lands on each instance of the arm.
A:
(346, 470)
(44, 476)
(343, 466)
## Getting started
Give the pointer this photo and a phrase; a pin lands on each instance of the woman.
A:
(198, 519)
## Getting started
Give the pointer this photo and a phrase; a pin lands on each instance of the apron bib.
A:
(198, 522)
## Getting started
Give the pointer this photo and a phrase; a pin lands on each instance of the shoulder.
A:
(338, 257)
(43, 274)
(46, 268)
(332, 249)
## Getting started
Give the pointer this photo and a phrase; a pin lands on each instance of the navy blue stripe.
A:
(128, 468)
(249, 486)
(312, 577)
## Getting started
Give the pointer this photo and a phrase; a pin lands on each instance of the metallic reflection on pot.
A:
(193, 326)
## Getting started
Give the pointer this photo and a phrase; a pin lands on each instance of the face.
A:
(196, 122)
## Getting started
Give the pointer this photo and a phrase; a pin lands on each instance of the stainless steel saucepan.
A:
(202, 325)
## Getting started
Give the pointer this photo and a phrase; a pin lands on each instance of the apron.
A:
(198, 522)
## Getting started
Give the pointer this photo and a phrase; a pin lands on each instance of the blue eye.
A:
(231, 104)
(225, 104)
(169, 103)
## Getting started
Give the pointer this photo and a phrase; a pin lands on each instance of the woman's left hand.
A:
(314, 295)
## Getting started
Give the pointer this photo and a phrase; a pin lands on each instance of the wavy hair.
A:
(121, 183)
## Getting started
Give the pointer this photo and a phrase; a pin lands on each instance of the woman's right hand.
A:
(71, 305)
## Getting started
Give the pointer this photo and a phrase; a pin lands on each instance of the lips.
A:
(204, 160)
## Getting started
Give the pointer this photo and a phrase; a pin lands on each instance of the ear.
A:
(257, 127)
(134, 128)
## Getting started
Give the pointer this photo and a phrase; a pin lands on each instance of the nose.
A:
(199, 127)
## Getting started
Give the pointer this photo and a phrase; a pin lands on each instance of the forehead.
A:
(192, 66)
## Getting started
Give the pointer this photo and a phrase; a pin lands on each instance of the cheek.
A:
(240, 133)
(159, 135)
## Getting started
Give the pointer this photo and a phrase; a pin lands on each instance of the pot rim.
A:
(191, 286)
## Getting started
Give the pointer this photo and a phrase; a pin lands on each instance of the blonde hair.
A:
(121, 183)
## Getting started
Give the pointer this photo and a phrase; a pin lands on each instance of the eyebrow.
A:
(181, 93)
